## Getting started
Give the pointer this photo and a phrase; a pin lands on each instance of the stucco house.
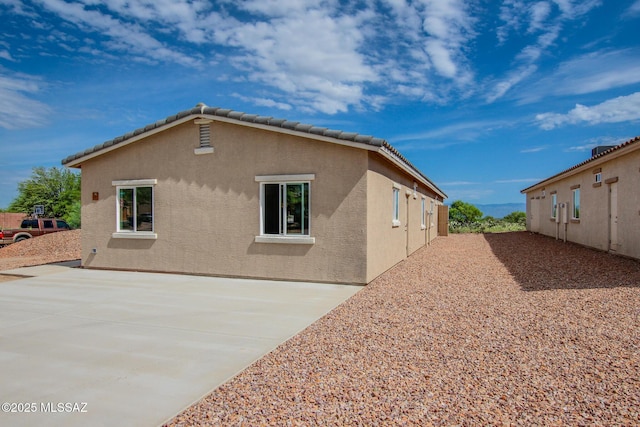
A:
(213, 191)
(595, 203)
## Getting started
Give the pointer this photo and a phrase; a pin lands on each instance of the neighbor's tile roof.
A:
(592, 159)
(203, 110)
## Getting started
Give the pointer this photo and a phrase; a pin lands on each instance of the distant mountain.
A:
(500, 210)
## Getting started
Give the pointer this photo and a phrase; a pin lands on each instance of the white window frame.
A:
(576, 204)
(554, 205)
(598, 177)
(305, 239)
(133, 184)
(423, 216)
(396, 205)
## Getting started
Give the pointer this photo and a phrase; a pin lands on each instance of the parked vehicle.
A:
(32, 228)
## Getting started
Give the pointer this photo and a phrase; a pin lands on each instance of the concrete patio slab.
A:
(103, 348)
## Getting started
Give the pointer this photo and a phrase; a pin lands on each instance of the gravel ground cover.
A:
(504, 329)
(54, 247)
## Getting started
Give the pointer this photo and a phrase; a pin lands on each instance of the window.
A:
(554, 205)
(47, 223)
(134, 212)
(285, 205)
(396, 205)
(576, 203)
(598, 177)
(29, 223)
(423, 221)
(62, 224)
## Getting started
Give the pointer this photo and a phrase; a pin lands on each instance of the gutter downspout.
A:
(406, 226)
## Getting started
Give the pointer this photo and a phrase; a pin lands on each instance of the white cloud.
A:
(634, 9)
(534, 149)
(580, 148)
(595, 142)
(539, 13)
(264, 102)
(450, 28)
(17, 108)
(125, 36)
(593, 72)
(535, 18)
(516, 181)
(317, 55)
(459, 131)
(280, 8)
(471, 194)
(621, 109)
(314, 59)
(4, 54)
(441, 58)
(17, 7)
(459, 183)
(515, 77)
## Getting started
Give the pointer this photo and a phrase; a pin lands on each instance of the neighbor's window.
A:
(285, 207)
(576, 203)
(554, 205)
(396, 205)
(423, 221)
(598, 177)
(134, 207)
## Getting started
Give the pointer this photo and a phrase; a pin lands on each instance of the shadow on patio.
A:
(542, 263)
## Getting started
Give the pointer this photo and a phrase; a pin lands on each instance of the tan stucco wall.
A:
(388, 244)
(593, 228)
(207, 206)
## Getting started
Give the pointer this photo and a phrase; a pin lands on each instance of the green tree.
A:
(57, 189)
(73, 216)
(517, 217)
(464, 213)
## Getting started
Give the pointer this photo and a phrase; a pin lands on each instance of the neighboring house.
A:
(595, 203)
(219, 192)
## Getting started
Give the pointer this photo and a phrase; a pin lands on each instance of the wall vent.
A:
(204, 127)
(205, 135)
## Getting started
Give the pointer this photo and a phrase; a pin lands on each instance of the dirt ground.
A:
(47, 249)
(474, 330)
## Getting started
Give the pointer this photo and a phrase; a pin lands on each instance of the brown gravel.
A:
(54, 247)
(502, 329)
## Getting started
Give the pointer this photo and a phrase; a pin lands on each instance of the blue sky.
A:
(484, 97)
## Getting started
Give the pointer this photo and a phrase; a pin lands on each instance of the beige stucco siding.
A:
(388, 244)
(593, 229)
(207, 206)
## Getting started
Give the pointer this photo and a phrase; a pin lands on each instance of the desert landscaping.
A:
(496, 329)
(475, 329)
(47, 249)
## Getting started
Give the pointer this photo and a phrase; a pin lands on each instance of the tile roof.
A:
(200, 110)
(204, 110)
(611, 150)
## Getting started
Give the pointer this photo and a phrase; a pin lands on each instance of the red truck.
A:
(32, 228)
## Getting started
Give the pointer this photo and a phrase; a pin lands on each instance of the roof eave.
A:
(611, 154)
(269, 123)
(416, 174)
(283, 126)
